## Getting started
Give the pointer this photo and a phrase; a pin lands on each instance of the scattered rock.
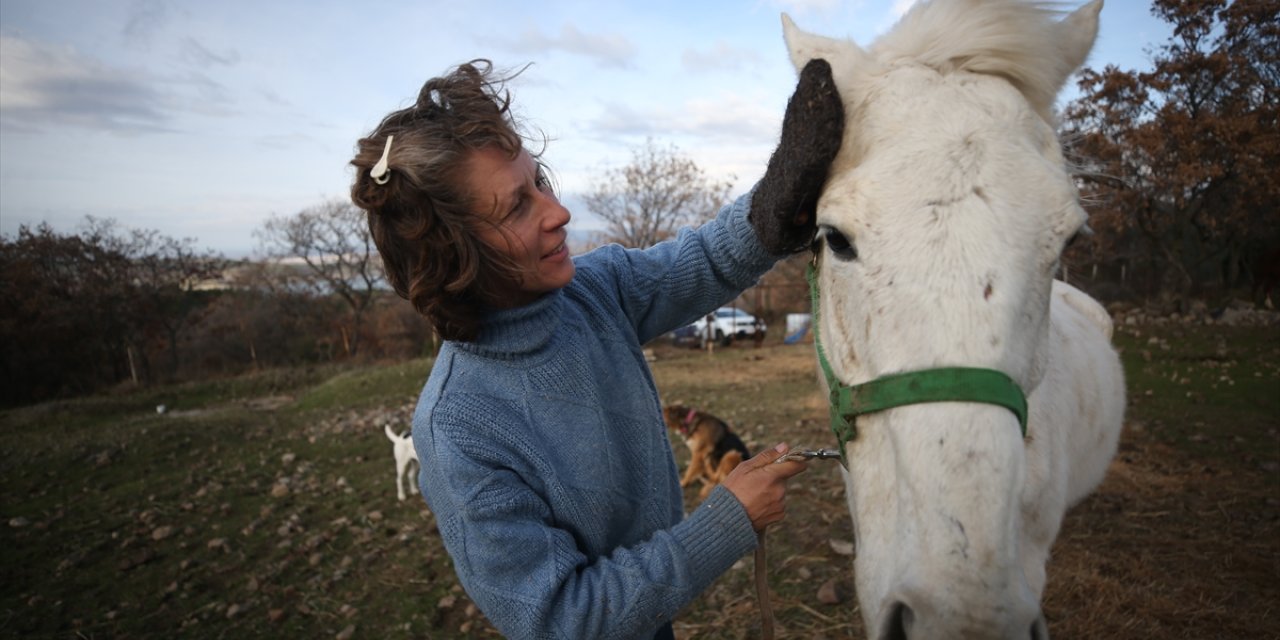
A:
(842, 547)
(137, 558)
(829, 593)
(18, 522)
(447, 602)
(275, 615)
(279, 490)
(160, 533)
(346, 633)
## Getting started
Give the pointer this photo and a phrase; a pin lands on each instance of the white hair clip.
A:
(380, 173)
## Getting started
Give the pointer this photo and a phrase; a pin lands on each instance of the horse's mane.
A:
(1013, 39)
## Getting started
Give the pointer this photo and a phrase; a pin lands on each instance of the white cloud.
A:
(727, 118)
(900, 7)
(606, 50)
(145, 17)
(46, 85)
(194, 52)
(721, 56)
(807, 6)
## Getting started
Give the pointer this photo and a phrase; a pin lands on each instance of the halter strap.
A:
(945, 384)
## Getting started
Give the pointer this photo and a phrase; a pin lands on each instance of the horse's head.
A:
(940, 228)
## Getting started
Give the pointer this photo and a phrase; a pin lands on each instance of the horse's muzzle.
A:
(918, 620)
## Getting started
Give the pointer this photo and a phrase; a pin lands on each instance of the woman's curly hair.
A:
(422, 219)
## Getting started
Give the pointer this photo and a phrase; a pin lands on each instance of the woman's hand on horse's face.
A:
(784, 206)
(761, 486)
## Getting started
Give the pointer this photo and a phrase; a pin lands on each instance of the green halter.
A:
(946, 384)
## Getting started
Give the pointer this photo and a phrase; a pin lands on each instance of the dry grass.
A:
(123, 523)
(1174, 544)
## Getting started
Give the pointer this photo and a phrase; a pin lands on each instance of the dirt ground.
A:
(1171, 545)
(266, 509)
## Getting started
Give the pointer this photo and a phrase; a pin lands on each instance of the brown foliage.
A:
(1180, 159)
(91, 309)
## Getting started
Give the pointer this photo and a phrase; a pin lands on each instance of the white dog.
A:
(402, 446)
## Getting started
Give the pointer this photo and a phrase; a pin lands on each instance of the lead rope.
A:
(762, 588)
(762, 560)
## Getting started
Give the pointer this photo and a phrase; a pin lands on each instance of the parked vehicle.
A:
(686, 336)
(729, 323)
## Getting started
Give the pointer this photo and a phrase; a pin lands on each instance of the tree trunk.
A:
(133, 367)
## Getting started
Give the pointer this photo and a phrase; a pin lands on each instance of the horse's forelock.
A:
(1020, 41)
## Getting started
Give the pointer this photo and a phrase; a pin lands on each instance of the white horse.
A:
(940, 229)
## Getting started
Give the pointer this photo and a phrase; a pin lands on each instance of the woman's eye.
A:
(541, 182)
(839, 244)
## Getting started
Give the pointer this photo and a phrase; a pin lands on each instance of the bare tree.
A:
(332, 244)
(166, 273)
(661, 190)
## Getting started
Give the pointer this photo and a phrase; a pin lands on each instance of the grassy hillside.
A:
(265, 507)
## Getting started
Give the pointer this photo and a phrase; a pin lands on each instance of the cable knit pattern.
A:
(545, 458)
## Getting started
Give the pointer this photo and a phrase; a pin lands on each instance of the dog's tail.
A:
(391, 435)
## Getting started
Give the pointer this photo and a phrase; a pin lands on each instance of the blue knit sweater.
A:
(545, 459)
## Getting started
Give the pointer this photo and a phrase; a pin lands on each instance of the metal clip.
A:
(805, 455)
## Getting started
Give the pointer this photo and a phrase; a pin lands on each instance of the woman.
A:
(544, 455)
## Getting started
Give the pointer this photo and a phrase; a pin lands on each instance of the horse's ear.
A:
(804, 46)
(1076, 34)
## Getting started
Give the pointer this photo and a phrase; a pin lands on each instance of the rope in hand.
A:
(762, 588)
(762, 560)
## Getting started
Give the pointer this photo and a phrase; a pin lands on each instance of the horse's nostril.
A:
(1040, 629)
(900, 622)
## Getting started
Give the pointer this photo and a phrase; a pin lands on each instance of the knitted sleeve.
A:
(531, 578)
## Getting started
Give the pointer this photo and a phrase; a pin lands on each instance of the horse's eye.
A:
(838, 243)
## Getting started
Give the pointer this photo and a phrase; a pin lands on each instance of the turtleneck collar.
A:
(519, 331)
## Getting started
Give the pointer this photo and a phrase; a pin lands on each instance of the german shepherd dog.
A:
(715, 449)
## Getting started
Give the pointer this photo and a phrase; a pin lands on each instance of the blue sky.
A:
(202, 119)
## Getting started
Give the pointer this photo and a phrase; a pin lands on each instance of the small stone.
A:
(160, 533)
(275, 615)
(346, 633)
(288, 458)
(842, 547)
(828, 593)
(18, 522)
(375, 516)
(279, 490)
(447, 602)
(233, 611)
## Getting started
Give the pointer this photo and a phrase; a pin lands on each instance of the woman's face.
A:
(527, 221)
